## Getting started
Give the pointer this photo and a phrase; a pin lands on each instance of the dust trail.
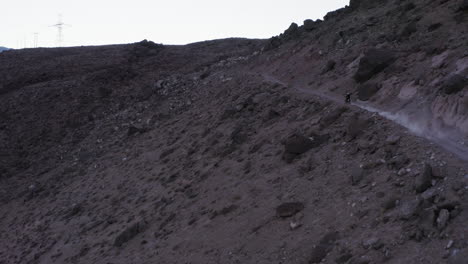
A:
(419, 122)
(423, 126)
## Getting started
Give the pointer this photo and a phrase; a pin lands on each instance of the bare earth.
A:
(244, 151)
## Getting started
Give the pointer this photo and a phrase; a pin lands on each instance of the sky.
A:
(100, 22)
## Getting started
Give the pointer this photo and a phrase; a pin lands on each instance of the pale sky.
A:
(98, 22)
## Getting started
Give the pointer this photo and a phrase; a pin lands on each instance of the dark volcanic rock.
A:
(357, 174)
(309, 25)
(129, 233)
(373, 62)
(434, 26)
(409, 208)
(132, 130)
(408, 30)
(298, 144)
(329, 66)
(463, 5)
(356, 127)
(333, 116)
(423, 180)
(367, 90)
(443, 218)
(454, 84)
(324, 246)
(289, 209)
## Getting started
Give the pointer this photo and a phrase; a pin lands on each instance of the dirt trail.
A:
(454, 145)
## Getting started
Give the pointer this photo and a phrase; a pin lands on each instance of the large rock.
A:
(129, 233)
(454, 84)
(324, 246)
(367, 90)
(443, 218)
(373, 62)
(299, 144)
(289, 209)
(463, 5)
(291, 33)
(408, 30)
(409, 208)
(424, 180)
(309, 25)
(357, 174)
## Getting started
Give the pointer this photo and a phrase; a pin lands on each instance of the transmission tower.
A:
(36, 39)
(59, 27)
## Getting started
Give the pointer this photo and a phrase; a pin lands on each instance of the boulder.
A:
(367, 90)
(329, 66)
(424, 180)
(454, 84)
(443, 218)
(324, 246)
(463, 5)
(373, 62)
(357, 174)
(299, 144)
(289, 209)
(409, 208)
(408, 30)
(291, 33)
(128, 233)
(309, 25)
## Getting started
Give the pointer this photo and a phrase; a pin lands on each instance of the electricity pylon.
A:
(59, 27)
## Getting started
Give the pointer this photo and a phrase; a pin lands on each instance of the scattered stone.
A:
(449, 244)
(324, 246)
(398, 162)
(390, 203)
(224, 211)
(409, 6)
(434, 26)
(393, 139)
(424, 180)
(357, 174)
(463, 6)
(330, 118)
(309, 25)
(367, 90)
(299, 144)
(373, 62)
(73, 210)
(458, 256)
(408, 30)
(454, 84)
(409, 208)
(132, 130)
(429, 194)
(356, 126)
(329, 66)
(442, 219)
(294, 225)
(289, 209)
(374, 243)
(129, 233)
(344, 258)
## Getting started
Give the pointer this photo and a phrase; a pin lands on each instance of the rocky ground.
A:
(243, 151)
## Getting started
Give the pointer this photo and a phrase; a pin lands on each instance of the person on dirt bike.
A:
(348, 98)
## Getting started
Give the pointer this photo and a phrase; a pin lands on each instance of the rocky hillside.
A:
(244, 151)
